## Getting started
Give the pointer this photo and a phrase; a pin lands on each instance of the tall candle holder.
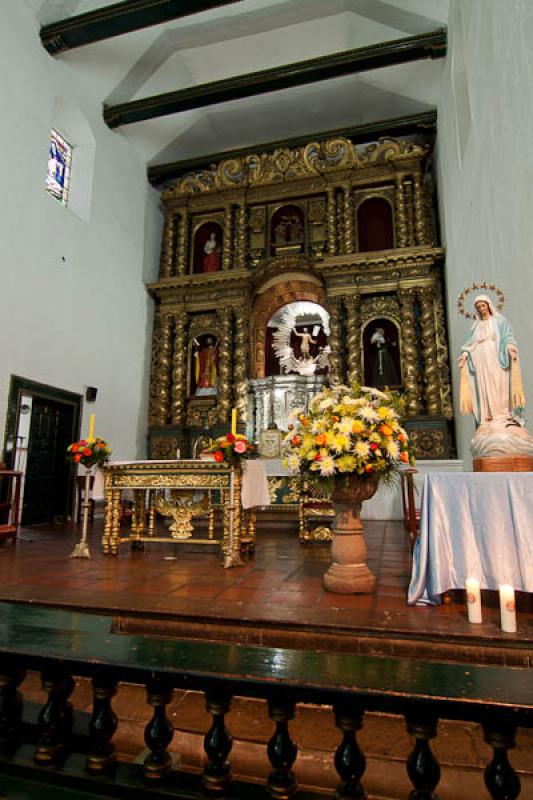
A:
(82, 549)
(88, 453)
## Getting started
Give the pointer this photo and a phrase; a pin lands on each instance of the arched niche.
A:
(203, 365)
(303, 327)
(382, 353)
(375, 227)
(281, 290)
(207, 248)
(287, 230)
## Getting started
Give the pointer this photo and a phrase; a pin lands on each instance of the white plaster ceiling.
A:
(248, 36)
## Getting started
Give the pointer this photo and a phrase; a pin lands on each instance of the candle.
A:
(473, 600)
(90, 438)
(234, 421)
(507, 608)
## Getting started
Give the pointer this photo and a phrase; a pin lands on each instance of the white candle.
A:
(507, 608)
(473, 600)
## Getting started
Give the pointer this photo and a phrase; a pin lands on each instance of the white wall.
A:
(485, 168)
(73, 308)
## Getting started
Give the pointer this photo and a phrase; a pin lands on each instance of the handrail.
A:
(64, 643)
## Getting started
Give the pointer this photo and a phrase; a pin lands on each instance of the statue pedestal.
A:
(503, 463)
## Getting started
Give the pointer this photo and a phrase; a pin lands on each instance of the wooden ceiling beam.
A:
(361, 59)
(422, 123)
(118, 19)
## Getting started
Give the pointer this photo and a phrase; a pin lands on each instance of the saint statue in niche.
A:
(211, 254)
(205, 356)
(307, 340)
(382, 357)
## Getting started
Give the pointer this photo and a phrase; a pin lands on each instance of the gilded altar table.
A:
(168, 487)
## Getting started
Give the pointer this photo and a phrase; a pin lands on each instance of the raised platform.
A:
(275, 599)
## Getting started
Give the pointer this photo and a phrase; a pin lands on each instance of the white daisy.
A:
(326, 403)
(293, 462)
(327, 466)
(361, 449)
(345, 425)
(369, 413)
(393, 449)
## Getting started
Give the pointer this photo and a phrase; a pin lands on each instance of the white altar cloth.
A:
(473, 525)
(254, 485)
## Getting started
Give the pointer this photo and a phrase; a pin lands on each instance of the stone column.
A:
(409, 352)
(348, 218)
(183, 243)
(443, 366)
(418, 200)
(241, 355)
(431, 376)
(163, 371)
(179, 371)
(401, 218)
(353, 337)
(240, 238)
(332, 221)
(168, 244)
(227, 247)
(224, 365)
(335, 334)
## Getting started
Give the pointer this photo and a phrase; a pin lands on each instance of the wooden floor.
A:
(276, 598)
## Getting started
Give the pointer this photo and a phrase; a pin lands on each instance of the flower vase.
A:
(349, 573)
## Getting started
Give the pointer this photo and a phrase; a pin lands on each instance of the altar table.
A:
(150, 481)
(473, 525)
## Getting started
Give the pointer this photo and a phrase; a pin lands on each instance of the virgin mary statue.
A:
(491, 383)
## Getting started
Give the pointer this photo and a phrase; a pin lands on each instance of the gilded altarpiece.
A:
(290, 226)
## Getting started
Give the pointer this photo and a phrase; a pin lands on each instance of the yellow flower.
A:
(346, 464)
(383, 412)
(341, 442)
(330, 438)
(357, 427)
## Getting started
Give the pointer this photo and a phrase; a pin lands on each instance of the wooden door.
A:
(48, 485)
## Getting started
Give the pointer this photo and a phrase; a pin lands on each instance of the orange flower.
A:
(296, 440)
(404, 457)
(369, 468)
(386, 430)
(219, 456)
(357, 427)
(74, 448)
(401, 438)
(87, 451)
(321, 439)
(335, 418)
(77, 457)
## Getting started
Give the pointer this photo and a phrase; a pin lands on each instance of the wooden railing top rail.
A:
(83, 643)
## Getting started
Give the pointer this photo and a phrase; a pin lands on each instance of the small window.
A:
(59, 158)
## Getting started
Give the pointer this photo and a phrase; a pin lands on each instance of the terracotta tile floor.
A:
(280, 587)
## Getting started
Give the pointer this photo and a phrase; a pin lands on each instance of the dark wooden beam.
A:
(424, 122)
(117, 19)
(362, 59)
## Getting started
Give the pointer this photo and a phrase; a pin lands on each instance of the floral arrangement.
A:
(347, 430)
(231, 448)
(89, 453)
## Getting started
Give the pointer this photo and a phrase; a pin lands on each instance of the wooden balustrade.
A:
(42, 747)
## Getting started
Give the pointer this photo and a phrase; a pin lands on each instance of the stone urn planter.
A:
(349, 573)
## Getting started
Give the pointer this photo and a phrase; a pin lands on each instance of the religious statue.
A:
(491, 383)
(211, 260)
(383, 371)
(206, 367)
(307, 340)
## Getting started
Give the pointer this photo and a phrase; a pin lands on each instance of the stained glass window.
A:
(59, 158)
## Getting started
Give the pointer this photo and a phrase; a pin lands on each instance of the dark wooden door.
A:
(48, 485)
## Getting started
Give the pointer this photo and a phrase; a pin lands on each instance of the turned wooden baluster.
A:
(102, 754)
(217, 745)
(55, 719)
(10, 708)
(500, 778)
(350, 761)
(422, 766)
(158, 733)
(281, 751)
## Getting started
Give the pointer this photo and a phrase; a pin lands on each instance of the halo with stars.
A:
(487, 287)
